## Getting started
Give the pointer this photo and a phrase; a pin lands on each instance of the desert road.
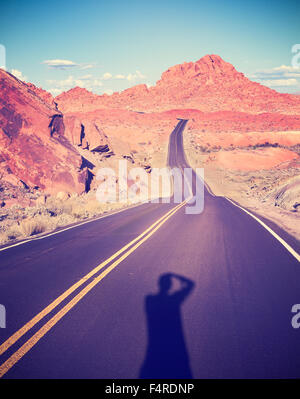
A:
(153, 292)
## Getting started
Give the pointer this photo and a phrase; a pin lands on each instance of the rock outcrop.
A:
(85, 130)
(43, 94)
(34, 152)
(208, 85)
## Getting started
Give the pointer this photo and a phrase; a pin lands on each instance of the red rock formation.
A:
(28, 153)
(209, 85)
(85, 130)
(43, 94)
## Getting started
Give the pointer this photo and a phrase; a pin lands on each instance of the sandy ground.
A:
(263, 179)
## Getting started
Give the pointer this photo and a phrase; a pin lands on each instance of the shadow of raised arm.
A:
(187, 286)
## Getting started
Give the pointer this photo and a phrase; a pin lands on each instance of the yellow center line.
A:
(23, 330)
(14, 358)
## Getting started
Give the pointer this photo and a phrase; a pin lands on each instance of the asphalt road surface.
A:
(153, 292)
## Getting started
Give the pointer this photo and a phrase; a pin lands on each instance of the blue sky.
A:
(111, 45)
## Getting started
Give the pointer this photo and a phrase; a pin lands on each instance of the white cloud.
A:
(90, 82)
(87, 66)
(107, 76)
(87, 81)
(131, 76)
(283, 71)
(68, 82)
(97, 83)
(288, 68)
(18, 74)
(60, 64)
(66, 64)
(140, 75)
(54, 91)
(282, 76)
(135, 76)
(86, 77)
(280, 82)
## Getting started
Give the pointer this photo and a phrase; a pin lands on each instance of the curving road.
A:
(153, 292)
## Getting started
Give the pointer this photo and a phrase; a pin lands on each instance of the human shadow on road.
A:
(166, 355)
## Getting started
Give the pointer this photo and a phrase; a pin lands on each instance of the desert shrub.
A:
(13, 233)
(31, 226)
(203, 148)
(63, 220)
(56, 207)
(93, 207)
(86, 210)
(79, 212)
(216, 148)
(3, 238)
(25, 222)
(10, 234)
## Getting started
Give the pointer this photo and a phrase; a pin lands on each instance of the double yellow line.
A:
(117, 257)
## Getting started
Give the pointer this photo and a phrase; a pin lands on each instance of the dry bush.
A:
(31, 226)
(86, 210)
(79, 212)
(93, 207)
(3, 238)
(11, 233)
(56, 207)
(28, 221)
(63, 220)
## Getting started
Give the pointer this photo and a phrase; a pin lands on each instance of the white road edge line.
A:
(209, 189)
(72, 227)
(281, 240)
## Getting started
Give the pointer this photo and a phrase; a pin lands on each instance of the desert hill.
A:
(208, 85)
(33, 149)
